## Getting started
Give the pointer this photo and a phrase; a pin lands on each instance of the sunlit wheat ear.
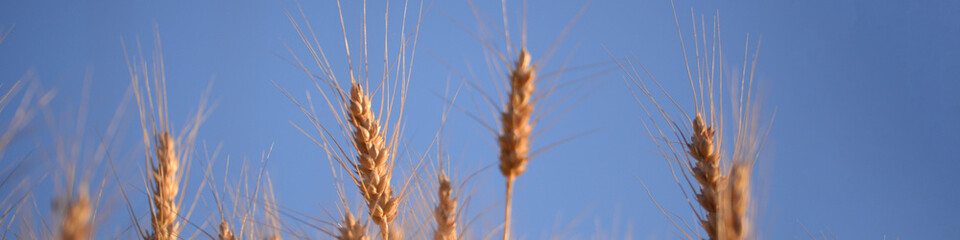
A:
(372, 165)
(706, 170)
(76, 217)
(446, 211)
(166, 155)
(351, 229)
(166, 180)
(514, 138)
(735, 199)
(224, 232)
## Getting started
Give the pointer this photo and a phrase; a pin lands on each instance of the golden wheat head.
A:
(514, 138)
(706, 171)
(372, 165)
(166, 182)
(224, 232)
(351, 229)
(446, 211)
(76, 217)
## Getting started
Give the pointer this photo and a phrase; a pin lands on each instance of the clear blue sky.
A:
(865, 93)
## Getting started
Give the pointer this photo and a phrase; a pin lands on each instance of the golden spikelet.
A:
(446, 211)
(734, 200)
(224, 232)
(706, 171)
(372, 165)
(514, 138)
(166, 183)
(76, 218)
(351, 229)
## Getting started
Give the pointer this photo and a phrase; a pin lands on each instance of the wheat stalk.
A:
(76, 218)
(515, 136)
(707, 172)
(372, 164)
(446, 211)
(351, 229)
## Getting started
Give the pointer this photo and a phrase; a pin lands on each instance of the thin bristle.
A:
(515, 136)
(351, 229)
(76, 218)
(224, 232)
(372, 164)
(446, 211)
(166, 180)
(707, 172)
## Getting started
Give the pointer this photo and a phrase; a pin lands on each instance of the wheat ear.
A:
(515, 136)
(224, 232)
(734, 224)
(76, 218)
(351, 229)
(707, 172)
(446, 212)
(372, 165)
(166, 182)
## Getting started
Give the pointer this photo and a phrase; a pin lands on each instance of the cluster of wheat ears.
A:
(362, 145)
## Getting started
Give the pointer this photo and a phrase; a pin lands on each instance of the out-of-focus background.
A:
(861, 146)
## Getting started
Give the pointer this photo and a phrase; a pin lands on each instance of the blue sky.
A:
(861, 146)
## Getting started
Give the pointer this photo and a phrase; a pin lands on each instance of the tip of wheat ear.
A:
(445, 213)
(514, 138)
(166, 181)
(224, 232)
(351, 229)
(706, 171)
(76, 218)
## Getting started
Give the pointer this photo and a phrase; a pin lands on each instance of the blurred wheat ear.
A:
(75, 222)
(351, 229)
(224, 232)
(445, 213)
